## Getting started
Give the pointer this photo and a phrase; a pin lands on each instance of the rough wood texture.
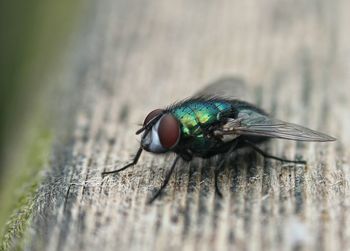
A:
(137, 56)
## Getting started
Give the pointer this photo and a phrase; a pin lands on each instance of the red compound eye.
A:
(152, 115)
(168, 131)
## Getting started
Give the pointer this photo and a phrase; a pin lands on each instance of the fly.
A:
(212, 123)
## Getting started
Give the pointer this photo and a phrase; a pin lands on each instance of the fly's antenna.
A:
(140, 130)
(149, 125)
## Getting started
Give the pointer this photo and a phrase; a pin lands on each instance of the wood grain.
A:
(136, 56)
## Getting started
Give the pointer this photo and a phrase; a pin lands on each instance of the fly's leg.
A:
(166, 180)
(268, 156)
(219, 168)
(186, 155)
(134, 161)
(216, 177)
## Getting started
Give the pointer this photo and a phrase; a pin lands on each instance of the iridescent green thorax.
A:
(194, 115)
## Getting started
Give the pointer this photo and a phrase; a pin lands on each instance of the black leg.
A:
(136, 158)
(216, 177)
(266, 155)
(219, 167)
(166, 180)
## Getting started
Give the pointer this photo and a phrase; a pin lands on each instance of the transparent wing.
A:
(253, 121)
(226, 87)
(256, 124)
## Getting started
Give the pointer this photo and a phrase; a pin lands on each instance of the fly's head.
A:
(161, 132)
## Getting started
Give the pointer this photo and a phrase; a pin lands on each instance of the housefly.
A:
(213, 123)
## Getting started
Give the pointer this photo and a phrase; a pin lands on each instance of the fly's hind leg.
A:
(268, 156)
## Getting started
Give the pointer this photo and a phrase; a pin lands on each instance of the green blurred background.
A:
(33, 38)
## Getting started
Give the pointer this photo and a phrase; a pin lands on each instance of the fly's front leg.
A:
(134, 162)
(186, 155)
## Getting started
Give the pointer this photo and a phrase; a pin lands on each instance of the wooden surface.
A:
(135, 56)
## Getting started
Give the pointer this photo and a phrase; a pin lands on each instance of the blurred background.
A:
(34, 36)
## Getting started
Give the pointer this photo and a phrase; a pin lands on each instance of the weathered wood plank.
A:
(294, 57)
